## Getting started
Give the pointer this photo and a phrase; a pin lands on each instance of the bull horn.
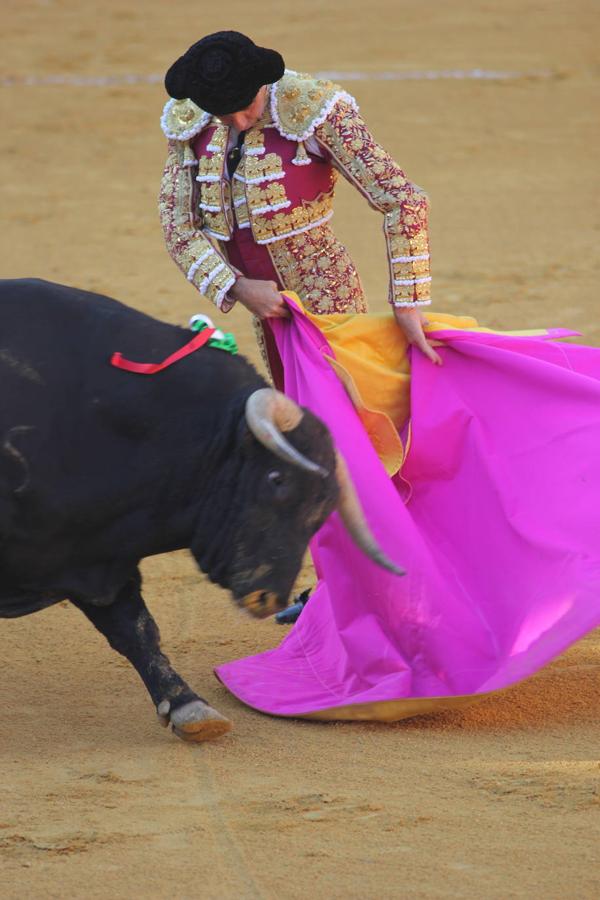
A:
(353, 518)
(269, 413)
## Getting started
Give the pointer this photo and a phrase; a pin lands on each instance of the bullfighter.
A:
(254, 152)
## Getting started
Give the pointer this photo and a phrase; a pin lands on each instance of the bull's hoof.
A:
(195, 721)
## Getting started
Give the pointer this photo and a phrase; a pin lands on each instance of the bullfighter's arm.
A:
(364, 163)
(195, 255)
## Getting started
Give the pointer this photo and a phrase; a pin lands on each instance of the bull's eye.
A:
(276, 478)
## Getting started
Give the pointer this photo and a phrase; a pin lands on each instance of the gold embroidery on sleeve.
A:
(364, 163)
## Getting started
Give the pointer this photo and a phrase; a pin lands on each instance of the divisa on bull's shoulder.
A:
(301, 102)
(182, 120)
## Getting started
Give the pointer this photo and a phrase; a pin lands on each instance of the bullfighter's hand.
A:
(411, 321)
(261, 297)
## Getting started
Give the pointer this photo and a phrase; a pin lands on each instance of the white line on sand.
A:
(422, 75)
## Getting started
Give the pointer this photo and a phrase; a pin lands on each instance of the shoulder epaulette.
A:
(182, 119)
(300, 103)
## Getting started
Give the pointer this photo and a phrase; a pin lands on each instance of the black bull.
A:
(100, 468)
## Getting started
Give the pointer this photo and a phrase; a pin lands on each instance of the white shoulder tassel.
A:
(301, 158)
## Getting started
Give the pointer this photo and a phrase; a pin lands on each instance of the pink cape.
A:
(499, 532)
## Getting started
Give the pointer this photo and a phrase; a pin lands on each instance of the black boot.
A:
(292, 613)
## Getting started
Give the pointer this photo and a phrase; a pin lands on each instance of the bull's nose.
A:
(262, 603)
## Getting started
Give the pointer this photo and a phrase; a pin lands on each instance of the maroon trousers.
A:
(255, 262)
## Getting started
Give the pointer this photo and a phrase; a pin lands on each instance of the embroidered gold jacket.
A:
(199, 206)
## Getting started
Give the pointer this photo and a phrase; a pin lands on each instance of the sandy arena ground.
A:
(501, 801)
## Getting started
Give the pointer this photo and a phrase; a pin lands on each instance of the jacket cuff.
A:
(410, 277)
(411, 280)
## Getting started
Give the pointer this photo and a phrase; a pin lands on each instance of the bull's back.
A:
(48, 327)
(56, 335)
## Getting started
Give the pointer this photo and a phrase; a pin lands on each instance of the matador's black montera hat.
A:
(223, 72)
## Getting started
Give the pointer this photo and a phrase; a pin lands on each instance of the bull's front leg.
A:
(130, 630)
